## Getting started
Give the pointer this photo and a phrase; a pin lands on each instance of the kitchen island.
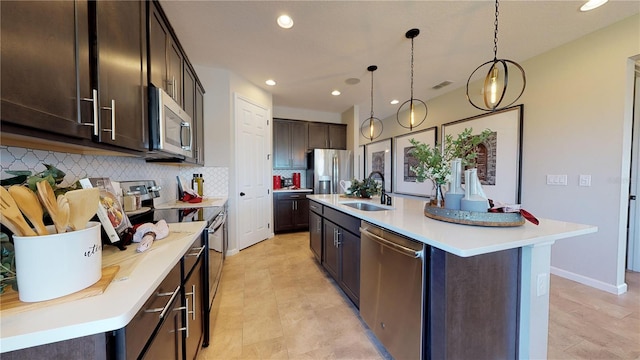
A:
(531, 243)
(139, 276)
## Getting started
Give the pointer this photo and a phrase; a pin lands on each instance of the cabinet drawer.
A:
(345, 221)
(291, 196)
(192, 255)
(316, 207)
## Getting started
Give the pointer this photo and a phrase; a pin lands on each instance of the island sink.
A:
(365, 206)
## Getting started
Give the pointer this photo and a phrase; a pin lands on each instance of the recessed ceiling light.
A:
(335, 93)
(592, 4)
(270, 82)
(394, 102)
(285, 21)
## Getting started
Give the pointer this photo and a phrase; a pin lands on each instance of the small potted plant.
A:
(364, 189)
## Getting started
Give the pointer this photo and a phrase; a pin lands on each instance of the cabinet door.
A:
(158, 35)
(195, 312)
(199, 123)
(315, 234)
(281, 145)
(174, 70)
(337, 137)
(301, 208)
(283, 214)
(318, 136)
(168, 342)
(120, 35)
(350, 264)
(189, 96)
(299, 135)
(331, 255)
(44, 74)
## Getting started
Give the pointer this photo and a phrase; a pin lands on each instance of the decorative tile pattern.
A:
(118, 168)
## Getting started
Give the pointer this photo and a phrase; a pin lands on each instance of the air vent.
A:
(442, 84)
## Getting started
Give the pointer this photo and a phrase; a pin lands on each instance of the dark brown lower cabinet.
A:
(291, 212)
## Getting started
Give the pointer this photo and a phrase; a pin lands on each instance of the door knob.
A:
(242, 194)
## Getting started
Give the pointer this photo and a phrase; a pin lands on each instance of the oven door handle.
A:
(217, 223)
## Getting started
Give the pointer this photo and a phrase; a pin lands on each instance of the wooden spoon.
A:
(63, 214)
(48, 200)
(28, 203)
(83, 204)
(12, 214)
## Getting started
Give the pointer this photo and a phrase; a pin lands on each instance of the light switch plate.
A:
(557, 180)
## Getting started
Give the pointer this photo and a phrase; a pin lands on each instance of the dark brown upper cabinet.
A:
(289, 144)
(327, 136)
(165, 56)
(45, 67)
(120, 72)
(74, 72)
(193, 96)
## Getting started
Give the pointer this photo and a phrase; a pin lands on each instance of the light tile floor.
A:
(276, 302)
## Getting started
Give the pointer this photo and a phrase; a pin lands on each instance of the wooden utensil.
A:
(83, 204)
(29, 204)
(48, 200)
(12, 214)
(63, 214)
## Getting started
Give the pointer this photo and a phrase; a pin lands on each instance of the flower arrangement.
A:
(434, 163)
(365, 188)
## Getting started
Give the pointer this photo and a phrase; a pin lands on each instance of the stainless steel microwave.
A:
(170, 127)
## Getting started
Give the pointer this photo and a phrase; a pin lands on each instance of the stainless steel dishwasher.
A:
(392, 290)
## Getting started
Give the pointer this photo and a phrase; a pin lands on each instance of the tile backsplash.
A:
(117, 168)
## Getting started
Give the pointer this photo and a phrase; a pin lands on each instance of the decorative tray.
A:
(473, 218)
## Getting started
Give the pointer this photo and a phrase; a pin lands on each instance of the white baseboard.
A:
(617, 290)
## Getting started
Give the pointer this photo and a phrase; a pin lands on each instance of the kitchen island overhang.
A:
(533, 242)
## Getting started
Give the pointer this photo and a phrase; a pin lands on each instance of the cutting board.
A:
(10, 302)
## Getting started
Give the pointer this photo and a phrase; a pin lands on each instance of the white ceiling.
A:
(332, 41)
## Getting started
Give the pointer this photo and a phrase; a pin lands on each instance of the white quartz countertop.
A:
(292, 190)
(407, 218)
(206, 202)
(139, 275)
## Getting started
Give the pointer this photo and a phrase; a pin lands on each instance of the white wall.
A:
(221, 86)
(576, 120)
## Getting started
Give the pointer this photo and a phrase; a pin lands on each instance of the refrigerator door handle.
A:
(335, 174)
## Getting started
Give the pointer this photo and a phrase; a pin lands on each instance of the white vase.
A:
(473, 200)
(455, 193)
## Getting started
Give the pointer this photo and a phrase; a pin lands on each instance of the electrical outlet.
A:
(585, 180)
(543, 285)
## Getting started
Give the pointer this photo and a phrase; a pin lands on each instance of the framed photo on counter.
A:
(499, 161)
(378, 158)
(405, 181)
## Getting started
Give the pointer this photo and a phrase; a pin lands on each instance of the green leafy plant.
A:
(365, 188)
(7, 264)
(434, 162)
(51, 174)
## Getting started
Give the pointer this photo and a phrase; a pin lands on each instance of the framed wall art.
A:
(499, 161)
(405, 180)
(378, 158)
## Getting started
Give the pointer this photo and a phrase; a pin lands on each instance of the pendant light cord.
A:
(371, 94)
(411, 98)
(495, 35)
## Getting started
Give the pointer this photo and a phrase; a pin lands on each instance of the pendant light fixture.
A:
(495, 86)
(371, 128)
(411, 120)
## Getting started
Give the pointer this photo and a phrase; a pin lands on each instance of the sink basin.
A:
(366, 206)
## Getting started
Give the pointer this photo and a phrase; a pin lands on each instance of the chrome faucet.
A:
(384, 198)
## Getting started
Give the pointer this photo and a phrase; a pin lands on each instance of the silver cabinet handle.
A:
(186, 125)
(173, 87)
(94, 100)
(193, 302)
(113, 119)
(318, 228)
(163, 310)
(338, 242)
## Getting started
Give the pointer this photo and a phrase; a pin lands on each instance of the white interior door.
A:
(252, 172)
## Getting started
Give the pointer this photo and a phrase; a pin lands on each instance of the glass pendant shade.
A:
(416, 109)
(371, 128)
(497, 91)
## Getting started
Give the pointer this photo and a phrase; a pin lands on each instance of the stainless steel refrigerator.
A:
(329, 164)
